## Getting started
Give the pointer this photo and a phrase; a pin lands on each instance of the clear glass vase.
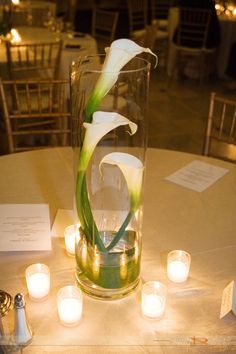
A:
(108, 195)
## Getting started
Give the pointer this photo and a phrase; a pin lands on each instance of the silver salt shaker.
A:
(22, 333)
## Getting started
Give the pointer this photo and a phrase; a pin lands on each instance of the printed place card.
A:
(228, 303)
(197, 175)
(24, 227)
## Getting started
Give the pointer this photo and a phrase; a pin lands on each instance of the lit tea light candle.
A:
(38, 280)
(69, 305)
(178, 265)
(72, 237)
(15, 2)
(153, 299)
(15, 37)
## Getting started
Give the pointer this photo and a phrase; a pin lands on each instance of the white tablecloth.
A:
(203, 224)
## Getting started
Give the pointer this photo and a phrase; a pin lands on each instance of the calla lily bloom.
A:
(132, 169)
(118, 55)
(103, 123)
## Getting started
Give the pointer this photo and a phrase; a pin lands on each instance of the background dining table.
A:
(175, 217)
(74, 45)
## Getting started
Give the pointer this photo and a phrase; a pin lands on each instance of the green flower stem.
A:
(91, 106)
(88, 216)
(121, 231)
(85, 213)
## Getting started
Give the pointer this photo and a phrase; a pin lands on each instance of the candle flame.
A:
(15, 37)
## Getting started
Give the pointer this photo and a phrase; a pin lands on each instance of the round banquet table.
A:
(202, 223)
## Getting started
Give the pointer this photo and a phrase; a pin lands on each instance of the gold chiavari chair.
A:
(191, 41)
(220, 135)
(27, 16)
(39, 60)
(104, 25)
(35, 113)
(138, 18)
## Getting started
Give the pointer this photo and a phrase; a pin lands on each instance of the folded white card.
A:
(197, 175)
(24, 227)
(228, 302)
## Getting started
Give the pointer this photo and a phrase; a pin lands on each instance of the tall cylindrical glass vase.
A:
(109, 128)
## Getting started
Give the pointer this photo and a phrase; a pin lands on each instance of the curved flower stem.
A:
(85, 213)
(121, 231)
(89, 217)
(91, 107)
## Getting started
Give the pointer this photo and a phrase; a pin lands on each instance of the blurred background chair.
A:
(35, 113)
(190, 42)
(138, 18)
(104, 24)
(32, 61)
(160, 12)
(220, 135)
(159, 18)
(148, 38)
(30, 16)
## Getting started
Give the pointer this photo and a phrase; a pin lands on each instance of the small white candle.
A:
(38, 281)
(153, 305)
(15, 37)
(153, 299)
(72, 237)
(178, 264)
(177, 271)
(69, 305)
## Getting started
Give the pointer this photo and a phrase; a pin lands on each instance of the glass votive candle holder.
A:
(38, 280)
(69, 305)
(153, 299)
(178, 265)
(72, 236)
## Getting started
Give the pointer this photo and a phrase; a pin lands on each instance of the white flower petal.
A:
(132, 169)
(121, 52)
(118, 55)
(102, 123)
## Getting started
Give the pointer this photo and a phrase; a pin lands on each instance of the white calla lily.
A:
(118, 55)
(132, 169)
(121, 52)
(103, 123)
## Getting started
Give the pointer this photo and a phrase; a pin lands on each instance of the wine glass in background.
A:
(69, 29)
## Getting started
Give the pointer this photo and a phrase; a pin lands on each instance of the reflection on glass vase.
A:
(109, 128)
